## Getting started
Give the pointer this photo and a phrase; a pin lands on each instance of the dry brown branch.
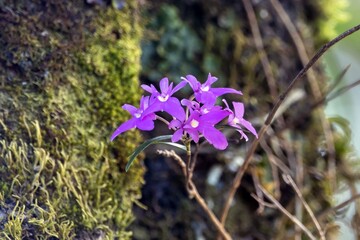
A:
(343, 90)
(259, 193)
(289, 215)
(237, 180)
(188, 166)
(289, 180)
(275, 163)
(262, 202)
(300, 47)
(260, 48)
(195, 155)
(298, 169)
(275, 160)
(339, 206)
(194, 192)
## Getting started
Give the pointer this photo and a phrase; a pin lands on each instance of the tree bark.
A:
(66, 67)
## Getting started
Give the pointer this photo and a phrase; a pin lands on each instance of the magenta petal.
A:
(193, 82)
(215, 137)
(213, 117)
(145, 124)
(154, 107)
(174, 124)
(130, 108)
(194, 134)
(178, 87)
(249, 127)
(153, 89)
(239, 109)
(147, 88)
(124, 127)
(192, 105)
(221, 91)
(144, 102)
(243, 135)
(207, 98)
(177, 135)
(186, 103)
(164, 85)
(227, 105)
(174, 108)
(231, 118)
(210, 80)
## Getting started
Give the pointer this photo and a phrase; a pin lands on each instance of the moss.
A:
(66, 69)
(325, 18)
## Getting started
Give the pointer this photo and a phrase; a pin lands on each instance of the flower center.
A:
(205, 88)
(205, 111)
(235, 121)
(163, 98)
(138, 114)
(194, 123)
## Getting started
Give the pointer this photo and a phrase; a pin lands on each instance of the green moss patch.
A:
(65, 70)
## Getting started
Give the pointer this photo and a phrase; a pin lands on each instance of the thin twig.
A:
(260, 48)
(194, 192)
(339, 206)
(297, 166)
(259, 193)
(195, 155)
(162, 119)
(237, 180)
(300, 47)
(343, 90)
(289, 180)
(188, 164)
(289, 215)
(262, 202)
(329, 95)
(338, 79)
(275, 163)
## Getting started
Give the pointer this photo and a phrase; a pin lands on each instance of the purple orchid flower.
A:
(204, 93)
(198, 123)
(142, 118)
(164, 101)
(237, 121)
(195, 106)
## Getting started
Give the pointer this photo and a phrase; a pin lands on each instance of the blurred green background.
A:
(345, 53)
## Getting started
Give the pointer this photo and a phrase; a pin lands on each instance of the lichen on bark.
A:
(65, 70)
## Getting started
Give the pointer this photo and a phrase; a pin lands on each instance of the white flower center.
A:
(205, 111)
(235, 121)
(194, 123)
(137, 115)
(205, 89)
(163, 98)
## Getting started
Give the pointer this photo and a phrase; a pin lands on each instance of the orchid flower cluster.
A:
(192, 118)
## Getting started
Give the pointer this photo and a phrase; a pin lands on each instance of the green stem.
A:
(188, 170)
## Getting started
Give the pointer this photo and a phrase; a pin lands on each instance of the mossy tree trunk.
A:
(66, 67)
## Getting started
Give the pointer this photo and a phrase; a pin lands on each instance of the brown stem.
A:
(193, 164)
(338, 207)
(300, 47)
(194, 192)
(290, 181)
(260, 48)
(237, 180)
(289, 215)
(162, 119)
(188, 165)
